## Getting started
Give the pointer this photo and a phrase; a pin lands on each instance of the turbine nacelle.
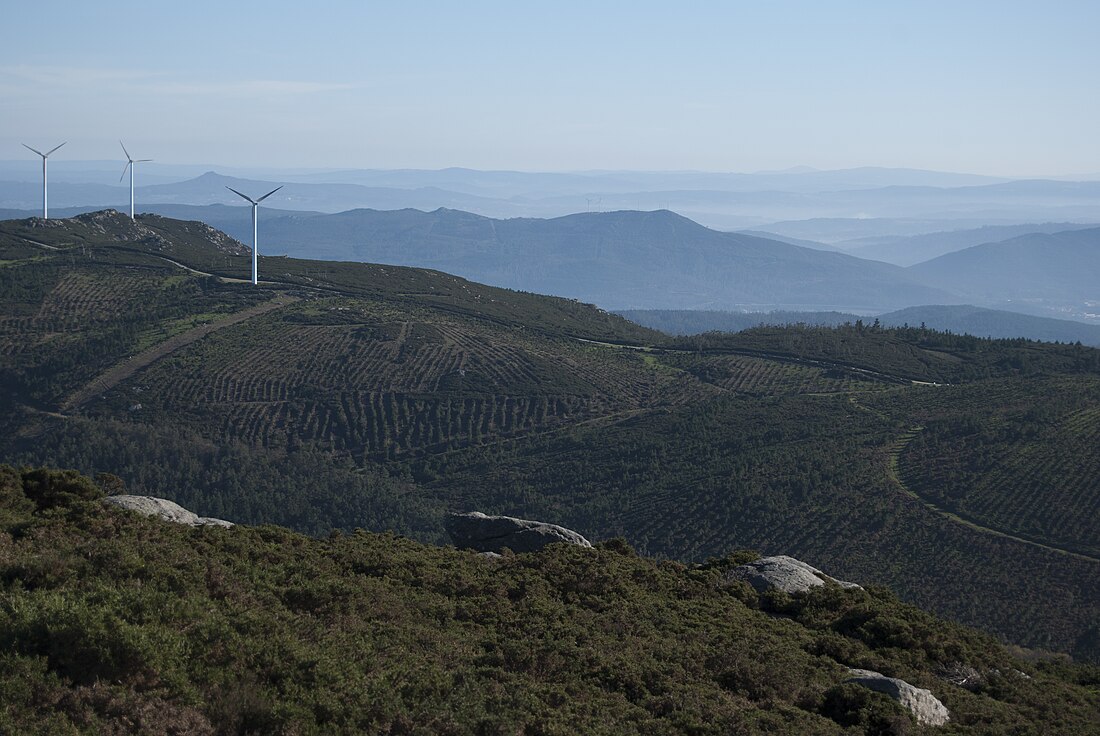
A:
(254, 201)
(47, 153)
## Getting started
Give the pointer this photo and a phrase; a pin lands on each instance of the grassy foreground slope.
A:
(339, 395)
(115, 623)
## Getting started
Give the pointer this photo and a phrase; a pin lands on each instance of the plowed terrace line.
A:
(120, 372)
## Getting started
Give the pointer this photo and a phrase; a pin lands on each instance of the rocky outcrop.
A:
(483, 533)
(162, 508)
(782, 573)
(197, 232)
(148, 230)
(925, 706)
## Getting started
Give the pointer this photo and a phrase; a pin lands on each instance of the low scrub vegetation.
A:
(115, 623)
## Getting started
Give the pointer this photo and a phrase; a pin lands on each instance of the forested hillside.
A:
(339, 395)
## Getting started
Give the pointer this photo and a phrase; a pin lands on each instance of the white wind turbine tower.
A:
(130, 165)
(255, 206)
(46, 155)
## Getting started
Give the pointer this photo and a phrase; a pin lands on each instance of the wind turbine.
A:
(46, 155)
(255, 206)
(130, 165)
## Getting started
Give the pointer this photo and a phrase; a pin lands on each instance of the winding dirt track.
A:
(121, 371)
(894, 472)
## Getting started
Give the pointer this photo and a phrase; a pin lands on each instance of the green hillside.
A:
(340, 395)
(115, 623)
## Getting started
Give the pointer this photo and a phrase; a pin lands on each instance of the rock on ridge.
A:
(925, 706)
(782, 573)
(483, 533)
(162, 508)
(202, 232)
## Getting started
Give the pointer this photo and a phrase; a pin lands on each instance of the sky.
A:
(1002, 88)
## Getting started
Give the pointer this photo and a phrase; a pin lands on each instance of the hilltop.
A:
(348, 395)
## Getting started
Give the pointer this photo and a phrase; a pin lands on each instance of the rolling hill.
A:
(617, 259)
(1056, 268)
(350, 395)
(913, 249)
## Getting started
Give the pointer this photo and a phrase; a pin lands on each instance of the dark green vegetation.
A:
(379, 396)
(906, 353)
(698, 321)
(115, 623)
(961, 319)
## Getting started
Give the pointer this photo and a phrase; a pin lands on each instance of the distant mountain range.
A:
(660, 260)
(830, 205)
(615, 259)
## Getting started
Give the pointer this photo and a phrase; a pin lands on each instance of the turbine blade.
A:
(43, 155)
(245, 196)
(261, 199)
(54, 149)
(124, 168)
(128, 156)
(143, 160)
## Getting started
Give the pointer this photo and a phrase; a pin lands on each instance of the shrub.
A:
(875, 714)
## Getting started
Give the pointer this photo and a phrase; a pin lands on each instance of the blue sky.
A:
(1005, 88)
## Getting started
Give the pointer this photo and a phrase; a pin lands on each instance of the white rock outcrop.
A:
(782, 573)
(162, 508)
(483, 533)
(925, 706)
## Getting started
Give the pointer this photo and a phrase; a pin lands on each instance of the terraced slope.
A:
(66, 320)
(754, 376)
(1025, 463)
(358, 377)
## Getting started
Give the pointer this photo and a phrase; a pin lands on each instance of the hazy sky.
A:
(1003, 87)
